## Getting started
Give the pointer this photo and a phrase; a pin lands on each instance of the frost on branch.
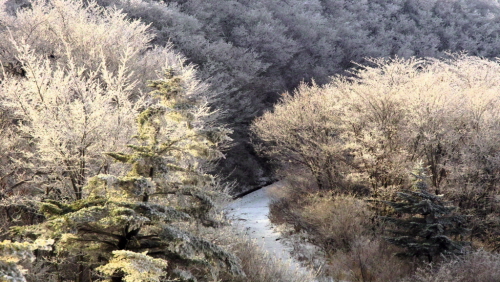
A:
(136, 267)
(148, 208)
(70, 92)
(11, 253)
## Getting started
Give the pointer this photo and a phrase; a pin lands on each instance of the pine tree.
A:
(426, 222)
(11, 253)
(130, 227)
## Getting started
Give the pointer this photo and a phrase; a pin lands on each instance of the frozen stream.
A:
(250, 213)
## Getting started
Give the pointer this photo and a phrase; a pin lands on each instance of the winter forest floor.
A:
(249, 214)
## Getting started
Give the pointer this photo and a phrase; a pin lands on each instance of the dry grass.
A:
(368, 260)
(337, 220)
(258, 265)
(478, 266)
(333, 221)
(345, 229)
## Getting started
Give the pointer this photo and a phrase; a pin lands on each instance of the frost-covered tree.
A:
(84, 35)
(297, 40)
(365, 132)
(251, 50)
(66, 115)
(70, 92)
(305, 130)
(12, 253)
(137, 222)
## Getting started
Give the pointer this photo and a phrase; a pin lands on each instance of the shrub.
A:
(367, 131)
(346, 231)
(332, 222)
(478, 266)
(369, 260)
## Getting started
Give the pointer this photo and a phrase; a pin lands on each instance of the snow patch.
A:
(250, 213)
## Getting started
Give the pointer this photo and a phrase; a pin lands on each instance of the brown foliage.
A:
(479, 266)
(369, 260)
(346, 231)
(370, 130)
(332, 221)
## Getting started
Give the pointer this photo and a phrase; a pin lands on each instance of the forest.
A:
(126, 126)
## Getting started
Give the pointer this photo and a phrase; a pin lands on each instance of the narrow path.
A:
(250, 213)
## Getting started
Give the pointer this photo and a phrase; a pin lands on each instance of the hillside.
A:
(127, 125)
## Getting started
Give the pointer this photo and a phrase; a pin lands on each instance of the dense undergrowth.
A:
(349, 151)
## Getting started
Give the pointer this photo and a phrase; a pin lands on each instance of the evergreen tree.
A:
(131, 226)
(425, 223)
(11, 253)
